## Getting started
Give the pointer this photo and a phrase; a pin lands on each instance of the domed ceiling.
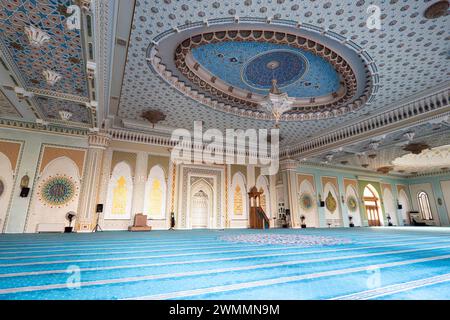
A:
(252, 66)
(407, 57)
(232, 70)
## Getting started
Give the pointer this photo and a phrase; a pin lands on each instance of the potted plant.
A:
(388, 217)
(302, 219)
(350, 220)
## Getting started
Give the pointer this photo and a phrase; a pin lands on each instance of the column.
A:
(288, 170)
(140, 178)
(98, 142)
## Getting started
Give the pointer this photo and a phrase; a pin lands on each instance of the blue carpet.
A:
(379, 263)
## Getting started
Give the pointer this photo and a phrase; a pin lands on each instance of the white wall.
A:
(445, 186)
(390, 206)
(311, 215)
(6, 176)
(357, 213)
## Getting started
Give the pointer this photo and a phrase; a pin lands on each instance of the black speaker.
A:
(24, 192)
(399, 206)
(322, 203)
(99, 208)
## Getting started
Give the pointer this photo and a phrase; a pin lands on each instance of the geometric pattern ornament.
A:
(330, 202)
(57, 191)
(36, 37)
(306, 201)
(352, 203)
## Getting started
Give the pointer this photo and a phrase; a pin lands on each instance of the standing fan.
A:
(69, 216)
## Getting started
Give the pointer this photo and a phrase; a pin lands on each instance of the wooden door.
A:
(373, 215)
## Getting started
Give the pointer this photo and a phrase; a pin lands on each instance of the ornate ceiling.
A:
(409, 51)
(213, 61)
(388, 151)
(44, 50)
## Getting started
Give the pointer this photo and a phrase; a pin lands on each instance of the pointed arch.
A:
(201, 204)
(262, 184)
(332, 210)
(356, 213)
(238, 199)
(403, 201)
(307, 196)
(372, 204)
(120, 192)
(389, 206)
(155, 193)
(6, 187)
(56, 192)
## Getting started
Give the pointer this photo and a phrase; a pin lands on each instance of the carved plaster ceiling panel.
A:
(430, 159)
(57, 48)
(410, 53)
(52, 109)
(386, 150)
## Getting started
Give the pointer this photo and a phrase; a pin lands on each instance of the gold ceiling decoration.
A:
(385, 170)
(437, 10)
(416, 148)
(153, 116)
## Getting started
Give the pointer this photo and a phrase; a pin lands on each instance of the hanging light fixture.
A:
(277, 102)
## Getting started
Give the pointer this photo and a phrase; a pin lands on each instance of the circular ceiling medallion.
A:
(232, 71)
(436, 10)
(286, 66)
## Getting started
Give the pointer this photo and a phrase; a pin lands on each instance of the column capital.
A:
(99, 140)
(288, 164)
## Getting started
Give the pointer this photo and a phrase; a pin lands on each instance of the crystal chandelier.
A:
(277, 102)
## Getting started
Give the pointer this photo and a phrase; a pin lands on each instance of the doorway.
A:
(372, 205)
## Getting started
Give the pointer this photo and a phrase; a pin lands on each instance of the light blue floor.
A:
(380, 263)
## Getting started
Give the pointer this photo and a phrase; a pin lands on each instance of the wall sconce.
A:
(321, 203)
(342, 199)
(24, 182)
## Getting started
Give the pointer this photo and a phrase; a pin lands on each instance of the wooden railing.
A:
(258, 218)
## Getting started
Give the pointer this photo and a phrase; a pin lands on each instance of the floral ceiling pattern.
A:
(62, 53)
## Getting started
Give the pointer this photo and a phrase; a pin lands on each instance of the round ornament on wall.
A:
(306, 201)
(57, 191)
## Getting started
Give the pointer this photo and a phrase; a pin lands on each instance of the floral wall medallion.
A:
(352, 203)
(306, 201)
(330, 202)
(57, 191)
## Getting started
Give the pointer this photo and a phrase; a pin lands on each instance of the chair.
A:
(140, 223)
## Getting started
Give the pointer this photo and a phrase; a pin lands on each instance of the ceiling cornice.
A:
(416, 112)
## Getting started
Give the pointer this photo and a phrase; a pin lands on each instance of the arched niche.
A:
(403, 200)
(201, 205)
(155, 194)
(350, 193)
(120, 193)
(55, 193)
(330, 195)
(372, 205)
(239, 206)
(308, 204)
(6, 187)
(262, 184)
(390, 207)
